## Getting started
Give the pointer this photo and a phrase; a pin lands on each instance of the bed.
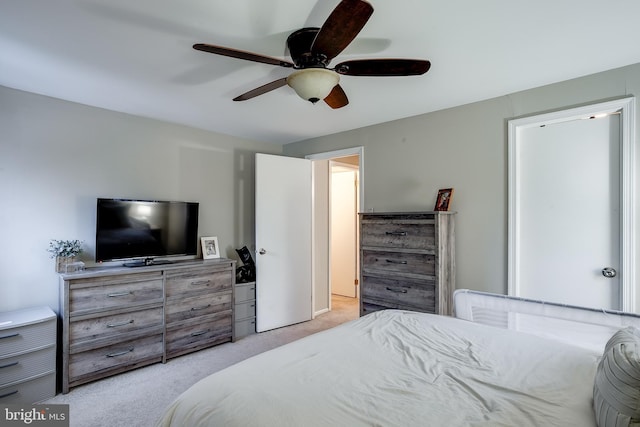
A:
(501, 362)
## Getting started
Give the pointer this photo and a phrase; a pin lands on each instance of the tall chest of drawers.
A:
(115, 319)
(407, 261)
(27, 355)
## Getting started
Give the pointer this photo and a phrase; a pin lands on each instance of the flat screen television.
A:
(143, 229)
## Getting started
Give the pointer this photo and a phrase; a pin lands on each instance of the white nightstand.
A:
(245, 309)
(27, 355)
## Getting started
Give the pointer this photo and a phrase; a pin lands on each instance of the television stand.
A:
(147, 262)
(161, 312)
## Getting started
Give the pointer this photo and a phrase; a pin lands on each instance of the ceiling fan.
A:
(312, 49)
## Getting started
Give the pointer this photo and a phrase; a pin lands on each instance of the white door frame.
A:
(626, 108)
(354, 170)
(354, 151)
(329, 155)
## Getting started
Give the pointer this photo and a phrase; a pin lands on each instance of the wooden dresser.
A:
(115, 319)
(27, 355)
(407, 261)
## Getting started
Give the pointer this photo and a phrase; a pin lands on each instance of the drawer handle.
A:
(396, 290)
(252, 305)
(252, 289)
(115, 325)
(198, 333)
(119, 294)
(200, 282)
(9, 336)
(396, 233)
(202, 307)
(393, 261)
(8, 394)
(120, 353)
(9, 365)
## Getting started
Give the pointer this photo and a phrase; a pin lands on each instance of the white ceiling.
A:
(136, 56)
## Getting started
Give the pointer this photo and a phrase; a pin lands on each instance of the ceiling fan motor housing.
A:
(299, 43)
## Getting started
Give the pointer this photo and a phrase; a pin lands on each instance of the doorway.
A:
(571, 208)
(343, 227)
(335, 237)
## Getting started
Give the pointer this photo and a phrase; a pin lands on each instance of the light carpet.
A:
(137, 398)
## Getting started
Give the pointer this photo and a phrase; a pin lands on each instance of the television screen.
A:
(127, 229)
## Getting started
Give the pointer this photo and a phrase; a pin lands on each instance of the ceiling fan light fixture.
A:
(313, 84)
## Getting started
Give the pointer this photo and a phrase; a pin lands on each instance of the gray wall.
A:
(406, 161)
(57, 157)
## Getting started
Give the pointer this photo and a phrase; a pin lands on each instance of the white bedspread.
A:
(399, 368)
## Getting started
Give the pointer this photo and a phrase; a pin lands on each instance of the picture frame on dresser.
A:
(443, 201)
(210, 247)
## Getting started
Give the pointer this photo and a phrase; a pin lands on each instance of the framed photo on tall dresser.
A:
(444, 199)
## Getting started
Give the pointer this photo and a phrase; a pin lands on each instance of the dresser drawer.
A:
(195, 283)
(32, 391)
(245, 309)
(210, 330)
(188, 308)
(245, 292)
(27, 338)
(126, 354)
(407, 234)
(399, 293)
(399, 262)
(28, 365)
(117, 295)
(113, 325)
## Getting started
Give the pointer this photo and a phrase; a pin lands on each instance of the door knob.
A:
(262, 252)
(609, 272)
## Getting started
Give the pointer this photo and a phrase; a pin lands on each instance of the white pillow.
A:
(616, 391)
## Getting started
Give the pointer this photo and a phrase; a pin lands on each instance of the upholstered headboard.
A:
(585, 327)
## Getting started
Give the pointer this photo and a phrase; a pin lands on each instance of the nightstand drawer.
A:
(245, 309)
(245, 327)
(29, 365)
(245, 292)
(32, 391)
(27, 338)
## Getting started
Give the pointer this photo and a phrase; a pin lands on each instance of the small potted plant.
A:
(64, 251)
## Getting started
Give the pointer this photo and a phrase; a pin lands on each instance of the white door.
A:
(344, 219)
(571, 206)
(283, 241)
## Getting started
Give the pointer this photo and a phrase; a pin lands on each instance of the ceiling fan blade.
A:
(337, 98)
(262, 89)
(241, 54)
(341, 27)
(383, 67)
